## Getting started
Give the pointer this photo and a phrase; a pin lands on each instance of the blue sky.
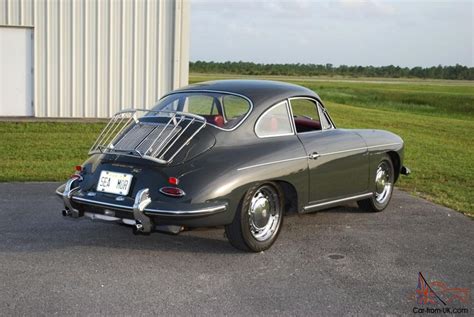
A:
(351, 32)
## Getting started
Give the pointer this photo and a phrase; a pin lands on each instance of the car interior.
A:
(304, 124)
(212, 109)
(215, 119)
(305, 115)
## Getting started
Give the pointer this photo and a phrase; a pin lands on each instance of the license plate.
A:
(114, 183)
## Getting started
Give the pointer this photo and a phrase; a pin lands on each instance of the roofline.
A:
(219, 92)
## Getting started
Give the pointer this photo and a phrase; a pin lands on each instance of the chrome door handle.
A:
(314, 155)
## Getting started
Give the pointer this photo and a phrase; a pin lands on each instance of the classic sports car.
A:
(234, 153)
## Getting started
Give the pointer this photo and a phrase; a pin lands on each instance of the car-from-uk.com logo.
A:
(437, 298)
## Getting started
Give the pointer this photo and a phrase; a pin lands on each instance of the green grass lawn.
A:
(44, 151)
(435, 118)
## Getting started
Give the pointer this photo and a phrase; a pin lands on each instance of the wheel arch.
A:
(395, 157)
(290, 196)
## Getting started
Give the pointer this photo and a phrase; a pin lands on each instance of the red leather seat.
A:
(217, 120)
(305, 124)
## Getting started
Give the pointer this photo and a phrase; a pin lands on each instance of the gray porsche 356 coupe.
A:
(235, 153)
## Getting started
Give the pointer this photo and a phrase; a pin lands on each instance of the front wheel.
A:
(258, 219)
(384, 178)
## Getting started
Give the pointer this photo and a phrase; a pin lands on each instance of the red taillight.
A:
(172, 191)
(173, 180)
(78, 168)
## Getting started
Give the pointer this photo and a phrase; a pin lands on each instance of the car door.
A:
(338, 160)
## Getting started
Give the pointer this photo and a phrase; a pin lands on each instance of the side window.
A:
(305, 115)
(274, 122)
(325, 123)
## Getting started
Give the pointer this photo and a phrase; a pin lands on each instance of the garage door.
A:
(16, 71)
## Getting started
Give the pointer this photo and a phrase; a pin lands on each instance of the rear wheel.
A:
(384, 178)
(258, 219)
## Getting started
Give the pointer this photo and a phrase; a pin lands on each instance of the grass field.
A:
(435, 118)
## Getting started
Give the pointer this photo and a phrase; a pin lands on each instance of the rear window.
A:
(223, 110)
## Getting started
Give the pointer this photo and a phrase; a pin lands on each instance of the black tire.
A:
(380, 198)
(239, 232)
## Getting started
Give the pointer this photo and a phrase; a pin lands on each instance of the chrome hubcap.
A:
(383, 183)
(264, 213)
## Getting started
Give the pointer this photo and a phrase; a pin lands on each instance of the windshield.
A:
(223, 110)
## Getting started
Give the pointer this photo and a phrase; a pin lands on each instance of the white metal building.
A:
(90, 58)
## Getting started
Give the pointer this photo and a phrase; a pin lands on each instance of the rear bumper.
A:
(140, 209)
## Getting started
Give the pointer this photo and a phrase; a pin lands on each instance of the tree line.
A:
(458, 72)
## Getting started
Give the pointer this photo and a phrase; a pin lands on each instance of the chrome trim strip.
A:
(292, 118)
(343, 151)
(358, 149)
(171, 195)
(322, 113)
(382, 145)
(337, 201)
(326, 112)
(219, 92)
(195, 212)
(274, 162)
(163, 212)
(275, 135)
(320, 154)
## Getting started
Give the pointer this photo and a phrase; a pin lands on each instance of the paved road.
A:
(336, 262)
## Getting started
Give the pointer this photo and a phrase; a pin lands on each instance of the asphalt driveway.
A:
(335, 262)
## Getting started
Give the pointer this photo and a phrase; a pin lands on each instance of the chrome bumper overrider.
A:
(140, 210)
(66, 196)
(405, 171)
(142, 200)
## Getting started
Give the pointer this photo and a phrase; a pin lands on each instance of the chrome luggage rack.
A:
(149, 134)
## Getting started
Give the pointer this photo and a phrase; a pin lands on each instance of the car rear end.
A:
(134, 172)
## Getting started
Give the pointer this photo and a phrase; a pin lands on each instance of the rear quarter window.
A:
(274, 122)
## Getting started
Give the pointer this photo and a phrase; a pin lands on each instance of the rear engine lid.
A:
(166, 138)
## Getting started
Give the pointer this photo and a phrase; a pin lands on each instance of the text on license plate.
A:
(115, 183)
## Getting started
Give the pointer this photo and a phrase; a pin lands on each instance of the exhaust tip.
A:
(135, 231)
(138, 229)
(65, 212)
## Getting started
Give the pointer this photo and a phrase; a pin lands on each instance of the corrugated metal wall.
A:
(93, 58)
